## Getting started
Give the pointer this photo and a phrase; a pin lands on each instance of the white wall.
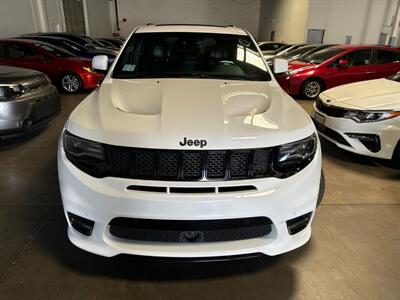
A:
(288, 18)
(362, 19)
(98, 19)
(17, 17)
(242, 13)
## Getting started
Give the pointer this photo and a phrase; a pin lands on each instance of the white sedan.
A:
(362, 117)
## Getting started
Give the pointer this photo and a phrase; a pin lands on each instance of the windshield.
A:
(73, 45)
(188, 55)
(323, 55)
(55, 50)
(395, 77)
(93, 41)
(297, 52)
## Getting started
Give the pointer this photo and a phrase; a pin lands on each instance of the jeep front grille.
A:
(182, 165)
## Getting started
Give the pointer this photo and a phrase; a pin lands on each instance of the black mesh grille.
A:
(168, 164)
(240, 163)
(216, 161)
(192, 165)
(332, 111)
(145, 164)
(189, 165)
(261, 161)
(190, 231)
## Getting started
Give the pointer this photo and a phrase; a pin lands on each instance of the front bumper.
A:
(91, 80)
(338, 128)
(102, 200)
(33, 110)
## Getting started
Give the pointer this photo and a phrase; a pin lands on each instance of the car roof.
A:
(355, 47)
(32, 42)
(195, 28)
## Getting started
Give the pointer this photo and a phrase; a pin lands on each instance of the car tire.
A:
(396, 156)
(311, 89)
(321, 188)
(70, 83)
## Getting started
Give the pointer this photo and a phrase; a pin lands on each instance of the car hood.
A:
(160, 113)
(296, 64)
(80, 61)
(378, 94)
(19, 75)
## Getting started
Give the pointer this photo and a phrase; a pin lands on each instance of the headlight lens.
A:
(370, 116)
(10, 91)
(87, 155)
(295, 156)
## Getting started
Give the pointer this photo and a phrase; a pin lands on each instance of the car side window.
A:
(387, 57)
(21, 51)
(2, 51)
(355, 58)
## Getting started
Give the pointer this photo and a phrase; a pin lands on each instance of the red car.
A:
(70, 73)
(338, 65)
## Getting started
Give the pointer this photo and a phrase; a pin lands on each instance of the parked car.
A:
(270, 46)
(74, 48)
(28, 100)
(339, 65)
(189, 147)
(72, 74)
(114, 41)
(98, 44)
(80, 40)
(363, 117)
(304, 51)
(281, 51)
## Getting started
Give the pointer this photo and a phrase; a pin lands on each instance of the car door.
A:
(30, 57)
(387, 62)
(358, 68)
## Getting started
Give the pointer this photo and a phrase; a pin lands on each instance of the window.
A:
(191, 55)
(270, 46)
(387, 57)
(2, 52)
(358, 57)
(323, 55)
(21, 51)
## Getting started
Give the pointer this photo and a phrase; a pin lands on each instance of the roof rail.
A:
(188, 24)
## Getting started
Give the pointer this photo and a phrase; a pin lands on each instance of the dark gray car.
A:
(28, 100)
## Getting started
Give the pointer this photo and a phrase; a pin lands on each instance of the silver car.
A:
(28, 100)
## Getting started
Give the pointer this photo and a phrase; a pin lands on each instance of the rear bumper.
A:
(102, 200)
(32, 111)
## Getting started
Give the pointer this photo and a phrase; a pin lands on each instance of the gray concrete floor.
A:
(353, 253)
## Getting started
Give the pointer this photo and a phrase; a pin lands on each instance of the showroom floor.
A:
(353, 253)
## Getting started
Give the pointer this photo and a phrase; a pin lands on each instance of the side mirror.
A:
(343, 63)
(100, 63)
(280, 65)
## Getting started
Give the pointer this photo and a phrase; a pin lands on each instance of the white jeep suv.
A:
(189, 148)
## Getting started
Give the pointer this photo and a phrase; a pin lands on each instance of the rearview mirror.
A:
(280, 65)
(343, 63)
(100, 63)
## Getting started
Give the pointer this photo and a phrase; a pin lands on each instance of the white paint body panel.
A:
(158, 113)
(378, 94)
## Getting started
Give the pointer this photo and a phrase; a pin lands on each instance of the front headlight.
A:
(11, 91)
(293, 157)
(89, 156)
(370, 116)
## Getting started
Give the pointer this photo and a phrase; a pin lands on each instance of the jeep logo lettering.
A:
(196, 143)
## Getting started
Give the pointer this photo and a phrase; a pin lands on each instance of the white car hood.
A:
(378, 94)
(153, 113)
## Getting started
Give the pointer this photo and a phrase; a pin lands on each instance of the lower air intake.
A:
(186, 231)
